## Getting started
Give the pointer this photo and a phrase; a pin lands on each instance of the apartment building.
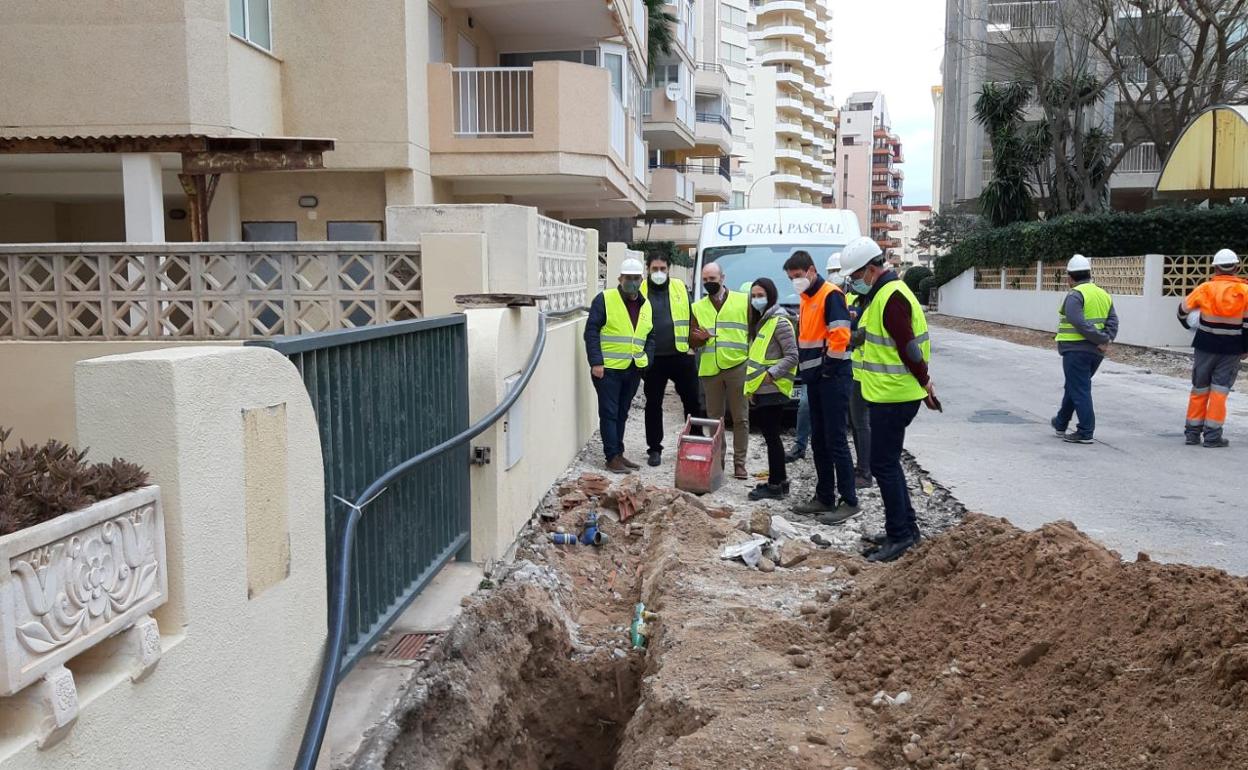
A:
(913, 219)
(867, 167)
(688, 123)
(790, 121)
(984, 39)
(288, 120)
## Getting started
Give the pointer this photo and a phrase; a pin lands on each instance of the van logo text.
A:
(730, 230)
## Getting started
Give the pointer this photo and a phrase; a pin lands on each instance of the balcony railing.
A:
(715, 117)
(493, 101)
(1030, 15)
(1136, 70)
(721, 166)
(639, 159)
(1140, 159)
(709, 67)
(618, 126)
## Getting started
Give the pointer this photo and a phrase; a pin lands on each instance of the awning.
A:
(1210, 158)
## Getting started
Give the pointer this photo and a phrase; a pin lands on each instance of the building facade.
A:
(912, 221)
(448, 101)
(868, 156)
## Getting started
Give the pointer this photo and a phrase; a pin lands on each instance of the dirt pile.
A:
(1043, 649)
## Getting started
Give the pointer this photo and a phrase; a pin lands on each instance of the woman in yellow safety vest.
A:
(770, 371)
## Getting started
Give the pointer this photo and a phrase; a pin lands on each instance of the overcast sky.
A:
(894, 46)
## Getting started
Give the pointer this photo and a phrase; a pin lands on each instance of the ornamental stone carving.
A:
(72, 582)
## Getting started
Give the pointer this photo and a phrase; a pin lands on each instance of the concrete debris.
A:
(794, 552)
(750, 552)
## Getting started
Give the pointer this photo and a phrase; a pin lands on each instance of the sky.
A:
(894, 46)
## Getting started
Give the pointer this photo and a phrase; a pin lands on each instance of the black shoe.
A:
(1192, 439)
(1077, 438)
(820, 540)
(1061, 432)
(863, 481)
(794, 455)
(893, 550)
(1216, 444)
(839, 516)
(814, 506)
(768, 492)
(655, 458)
(877, 539)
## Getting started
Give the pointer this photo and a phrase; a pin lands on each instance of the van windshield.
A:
(745, 264)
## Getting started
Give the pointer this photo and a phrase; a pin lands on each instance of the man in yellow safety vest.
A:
(673, 360)
(1086, 324)
(618, 343)
(721, 329)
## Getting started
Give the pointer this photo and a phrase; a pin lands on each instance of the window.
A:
(664, 74)
(249, 19)
(437, 36)
(738, 199)
(732, 54)
(735, 17)
(270, 231)
(353, 231)
(849, 141)
(588, 56)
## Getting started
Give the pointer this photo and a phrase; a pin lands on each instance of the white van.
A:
(754, 243)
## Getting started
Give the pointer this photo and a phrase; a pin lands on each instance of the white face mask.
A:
(837, 280)
(658, 277)
(801, 284)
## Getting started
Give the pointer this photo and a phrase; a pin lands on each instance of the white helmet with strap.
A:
(1225, 258)
(857, 254)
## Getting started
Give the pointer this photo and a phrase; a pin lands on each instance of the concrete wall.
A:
(555, 416)
(255, 89)
(342, 196)
(38, 390)
(1143, 320)
(229, 435)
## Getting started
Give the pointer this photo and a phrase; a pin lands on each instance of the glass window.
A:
(437, 36)
(353, 231)
(735, 17)
(249, 19)
(526, 59)
(270, 231)
(664, 74)
(738, 199)
(614, 64)
(744, 264)
(734, 54)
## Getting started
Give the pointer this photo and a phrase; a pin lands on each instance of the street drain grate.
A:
(411, 647)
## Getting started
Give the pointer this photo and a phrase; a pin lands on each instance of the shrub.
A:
(925, 289)
(38, 483)
(1169, 230)
(666, 249)
(914, 277)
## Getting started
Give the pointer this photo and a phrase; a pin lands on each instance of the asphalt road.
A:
(1138, 488)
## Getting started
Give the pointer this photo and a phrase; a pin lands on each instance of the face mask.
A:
(631, 286)
(801, 284)
(861, 287)
(759, 303)
(711, 287)
(658, 278)
(837, 280)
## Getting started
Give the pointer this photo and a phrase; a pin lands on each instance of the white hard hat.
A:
(1078, 264)
(857, 254)
(1225, 258)
(631, 267)
(834, 263)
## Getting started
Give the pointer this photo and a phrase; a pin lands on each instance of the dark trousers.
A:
(770, 421)
(615, 389)
(860, 425)
(1079, 366)
(829, 420)
(888, 436)
(682, 371)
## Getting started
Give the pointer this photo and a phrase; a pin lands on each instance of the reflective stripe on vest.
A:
(884, 376)
(759, 363)
(730, 333)
(621, 344)
(1096, 306)
(855, 355)
(678, 304)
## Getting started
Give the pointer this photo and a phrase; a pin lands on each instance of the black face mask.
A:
(711, 287)
(631, 286)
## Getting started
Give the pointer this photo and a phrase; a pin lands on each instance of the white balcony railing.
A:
(639, 159)
(493, 101)
(1140, 159)
(1027, 15)
(647, 94)
(618, 125)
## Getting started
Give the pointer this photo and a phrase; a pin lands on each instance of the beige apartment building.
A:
(303, 121)
(913, 220)
(790, 126)
(867, 165)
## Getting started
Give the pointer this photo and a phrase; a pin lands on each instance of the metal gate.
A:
(382, 394)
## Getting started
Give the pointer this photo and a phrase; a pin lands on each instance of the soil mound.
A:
(1043, 649)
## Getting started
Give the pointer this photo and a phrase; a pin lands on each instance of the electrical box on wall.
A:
(513, 426)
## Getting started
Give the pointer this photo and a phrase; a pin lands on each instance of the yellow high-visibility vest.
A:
(730, 333)
(622, 344)
(884, 377)
(1096, 306)
(758, 364)
(678, 301)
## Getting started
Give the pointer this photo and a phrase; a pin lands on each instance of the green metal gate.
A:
(382, 394)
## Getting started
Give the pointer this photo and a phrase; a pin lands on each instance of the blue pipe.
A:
(327, 683)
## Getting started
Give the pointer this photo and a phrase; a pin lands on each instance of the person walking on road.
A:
(619, 343)
(721, 329)
(770, 374)
(895, 381)
(1086, 324)
(1221, 307)
(673, 362)
(823, 349)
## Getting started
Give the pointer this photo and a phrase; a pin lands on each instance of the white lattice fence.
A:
(1119, 275)
(562, 264)
(987, 278)
(1182, 273)
(204, 291)
(1021, 278)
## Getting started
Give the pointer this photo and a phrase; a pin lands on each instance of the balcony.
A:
(788, 129)
(672, 194)
(554, 136)
(711, 178)
(1039, 14)
(681, 233)
(1138, 168)
(711, 79)
(713, 130)
(668, 123)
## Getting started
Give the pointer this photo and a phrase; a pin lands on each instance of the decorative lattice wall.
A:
(132, 291)
(1053, 277)
(1119, 275)
(1021, 278)
(1180, 274)
(987, 278)
(562, 264)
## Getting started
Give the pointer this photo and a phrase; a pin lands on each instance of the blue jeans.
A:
(1079, 366)
(615, 397)
(829, 437)
(803, 423)
(888, 437)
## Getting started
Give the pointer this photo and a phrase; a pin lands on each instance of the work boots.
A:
(618, 465)
(739, 471)
(632, 465)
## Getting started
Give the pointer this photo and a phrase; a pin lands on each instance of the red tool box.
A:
(700, 459)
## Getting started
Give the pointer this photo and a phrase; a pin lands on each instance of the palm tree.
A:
(661, 32)
(999, 109)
